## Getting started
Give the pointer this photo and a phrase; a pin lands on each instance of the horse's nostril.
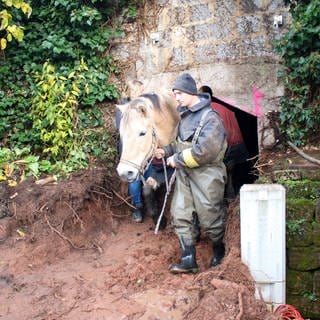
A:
(127, 174)
(130, 174)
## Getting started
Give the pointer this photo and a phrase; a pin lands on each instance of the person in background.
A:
(197, 154)
(134, 89)
(237, 152)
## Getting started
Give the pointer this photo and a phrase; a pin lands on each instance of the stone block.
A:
(316, 282)
(298, 282)
(256, 46)
(316, 233)
(307, 308)
(200, 12)
(228, 51)
(317, 215)
(298, 209)
(220, 30)
(178, 16)
(313, 175)
(201, 32)
(303, 258)
(286, 174)
(299, 233)
(181, 3)
(248, 24)
(225, 8)
(275, 5)
(204, 54)
(178, 57)
(251, 6)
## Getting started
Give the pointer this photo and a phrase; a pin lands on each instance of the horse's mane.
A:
(159, 102)
(151, 97)
(154, 98)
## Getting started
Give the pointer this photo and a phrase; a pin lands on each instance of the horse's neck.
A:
(166, 127)
(164, 137)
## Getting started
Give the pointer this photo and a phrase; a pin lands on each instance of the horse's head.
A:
(138, 138)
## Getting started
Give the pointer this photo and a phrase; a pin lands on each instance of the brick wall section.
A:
(226, 44)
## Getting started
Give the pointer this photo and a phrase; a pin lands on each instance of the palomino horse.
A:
(147, 122)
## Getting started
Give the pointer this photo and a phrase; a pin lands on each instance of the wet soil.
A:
(70, 250)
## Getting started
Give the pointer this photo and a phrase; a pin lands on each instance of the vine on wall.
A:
(300, 49)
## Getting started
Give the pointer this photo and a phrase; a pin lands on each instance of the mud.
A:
(69, 250)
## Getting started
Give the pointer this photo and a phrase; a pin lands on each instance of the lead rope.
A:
(143, 171)
(168, 189)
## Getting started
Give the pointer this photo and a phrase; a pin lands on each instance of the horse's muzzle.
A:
(127, 173)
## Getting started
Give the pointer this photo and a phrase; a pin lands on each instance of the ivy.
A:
(57, 121)
(299, 48)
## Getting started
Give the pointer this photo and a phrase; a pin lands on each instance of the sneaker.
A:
(137, 215)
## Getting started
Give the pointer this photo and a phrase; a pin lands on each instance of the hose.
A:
(287, 312)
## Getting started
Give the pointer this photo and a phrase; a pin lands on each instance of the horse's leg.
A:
(151, 204)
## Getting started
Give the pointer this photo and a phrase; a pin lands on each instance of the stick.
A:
(124, 200)
(302, 154)
(240, 305)
(165, 201)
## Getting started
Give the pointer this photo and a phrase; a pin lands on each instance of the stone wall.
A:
(302, 239)
(226, 44)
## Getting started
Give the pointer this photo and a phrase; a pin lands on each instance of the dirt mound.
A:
(70, 251)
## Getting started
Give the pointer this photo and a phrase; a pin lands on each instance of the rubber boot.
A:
(188, 263)
(152, 206)
(137, 215)
(196, 232)
(218, 253)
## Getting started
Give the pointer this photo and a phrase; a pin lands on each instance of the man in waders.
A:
(197, 154)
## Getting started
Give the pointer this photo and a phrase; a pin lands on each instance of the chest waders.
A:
(198, 191)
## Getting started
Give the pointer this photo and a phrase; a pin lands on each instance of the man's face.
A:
(183, 98)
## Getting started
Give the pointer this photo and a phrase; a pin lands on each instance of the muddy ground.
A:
(69, 250)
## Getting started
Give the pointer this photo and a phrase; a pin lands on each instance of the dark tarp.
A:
(248, 124)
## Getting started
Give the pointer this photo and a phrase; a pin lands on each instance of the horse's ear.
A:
(121, 107)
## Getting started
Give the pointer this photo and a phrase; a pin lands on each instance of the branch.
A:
(302, 154)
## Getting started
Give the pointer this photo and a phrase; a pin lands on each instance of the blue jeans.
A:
(135, 189)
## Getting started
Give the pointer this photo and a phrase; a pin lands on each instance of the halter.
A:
(147, 160)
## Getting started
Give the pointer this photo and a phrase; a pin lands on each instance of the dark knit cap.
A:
(185, 83)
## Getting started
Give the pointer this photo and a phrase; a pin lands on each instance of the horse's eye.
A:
(142, 133)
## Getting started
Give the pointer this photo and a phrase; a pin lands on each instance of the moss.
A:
(298, 282)
(300, 209)
(307, 308)
(307, 189)
(303, 258)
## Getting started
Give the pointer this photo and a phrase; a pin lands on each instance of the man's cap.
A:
(185, 83)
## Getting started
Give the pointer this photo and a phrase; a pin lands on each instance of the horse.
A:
(148, 122)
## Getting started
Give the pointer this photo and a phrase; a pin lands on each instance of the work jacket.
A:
(207, 149)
